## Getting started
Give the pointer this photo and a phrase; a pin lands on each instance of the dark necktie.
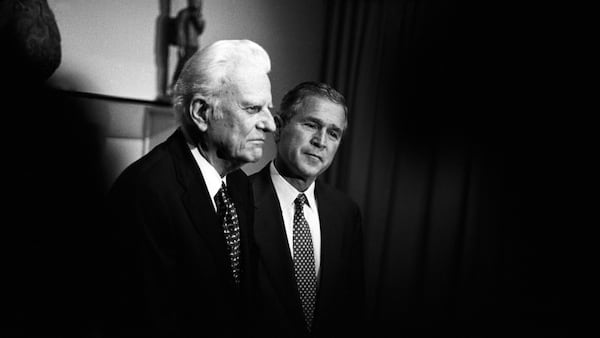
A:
(231, 229)
(304, 261)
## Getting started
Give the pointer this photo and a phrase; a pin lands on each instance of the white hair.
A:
(207, 72)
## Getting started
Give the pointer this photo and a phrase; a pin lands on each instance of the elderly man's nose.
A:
(267, 123)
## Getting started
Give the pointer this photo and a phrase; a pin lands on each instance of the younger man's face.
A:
(307, 143)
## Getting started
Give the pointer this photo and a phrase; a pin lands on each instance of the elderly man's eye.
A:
(254, 109)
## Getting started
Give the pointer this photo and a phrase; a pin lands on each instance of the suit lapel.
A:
(331, 247)
(273, 245)
(197, 200)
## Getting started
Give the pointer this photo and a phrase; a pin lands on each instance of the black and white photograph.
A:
(283, 168)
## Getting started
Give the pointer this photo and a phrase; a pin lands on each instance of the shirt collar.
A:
(211, 177)
(286, 192)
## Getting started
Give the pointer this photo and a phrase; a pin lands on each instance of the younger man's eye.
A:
(334, 134)
(310, 125)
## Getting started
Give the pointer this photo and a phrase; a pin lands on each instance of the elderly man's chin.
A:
(253, 154)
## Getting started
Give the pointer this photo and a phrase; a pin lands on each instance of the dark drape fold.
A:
(439, 169)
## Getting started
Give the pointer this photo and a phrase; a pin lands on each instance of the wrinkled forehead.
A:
(249, 82)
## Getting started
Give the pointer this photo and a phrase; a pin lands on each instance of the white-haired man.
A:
(184, 212)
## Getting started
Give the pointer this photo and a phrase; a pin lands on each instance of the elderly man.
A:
(183, 213)
(308, 234)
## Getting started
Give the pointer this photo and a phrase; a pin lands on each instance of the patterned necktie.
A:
(231, 229)
(304, 261)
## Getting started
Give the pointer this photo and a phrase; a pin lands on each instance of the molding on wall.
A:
(79, 94)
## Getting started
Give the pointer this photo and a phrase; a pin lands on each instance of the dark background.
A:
(465, 151)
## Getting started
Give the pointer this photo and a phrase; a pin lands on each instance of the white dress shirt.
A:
(286, 193)
(212, 179)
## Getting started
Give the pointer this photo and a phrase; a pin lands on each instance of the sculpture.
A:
(189, 25)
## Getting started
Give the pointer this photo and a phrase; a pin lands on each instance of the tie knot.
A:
(300, 200)
(223, 190)
(222, 195)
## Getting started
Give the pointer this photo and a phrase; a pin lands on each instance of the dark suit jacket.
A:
(174, 277)
(340, 299)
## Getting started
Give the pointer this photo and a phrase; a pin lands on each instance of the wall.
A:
(132, 127)
(108, 48)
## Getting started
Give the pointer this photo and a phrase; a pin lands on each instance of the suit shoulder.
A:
(260, 178)
(332, 193)
(256, 176)
(149, 167)
(238, 180)
(238, 175)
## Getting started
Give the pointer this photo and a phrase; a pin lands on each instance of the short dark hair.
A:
(293, 98)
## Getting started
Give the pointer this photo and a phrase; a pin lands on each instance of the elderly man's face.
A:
(307, 144)
(241, 132)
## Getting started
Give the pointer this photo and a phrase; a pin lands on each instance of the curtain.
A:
(446, 169)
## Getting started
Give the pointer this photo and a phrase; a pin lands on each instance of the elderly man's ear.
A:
(199, 110)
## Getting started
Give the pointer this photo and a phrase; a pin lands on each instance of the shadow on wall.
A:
(53, 183)
(130, 128)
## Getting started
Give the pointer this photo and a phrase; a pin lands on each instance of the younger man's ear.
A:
(278, 126)
(199, 110)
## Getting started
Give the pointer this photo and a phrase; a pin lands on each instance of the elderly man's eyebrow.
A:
(249, 102)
